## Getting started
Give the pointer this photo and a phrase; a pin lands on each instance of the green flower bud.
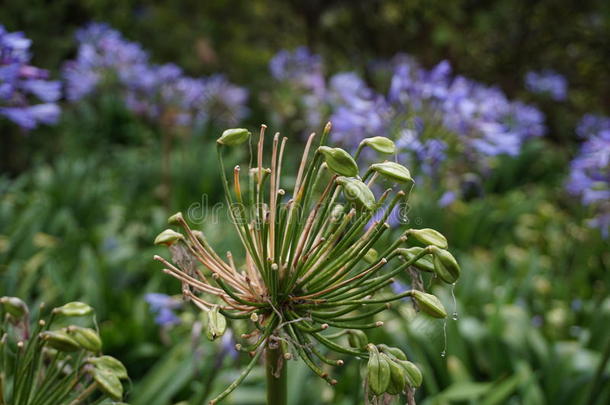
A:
(398, 380)
(339, 161)
(336, 212)
(445, 265)
(168, 237)
(429, 236)
(234, 136)
(378, 371)
(380, 144)
(86, 338)
(357, 339)
(74, 308)
(109, 364)
(358, 192)
(412, 373)
(217, 324)
(393, 352)
(371, 256)
(60, 340)
(108, 382)
(394, 171)
(429, 304)
(175, 219)
(423, 263)
(14, 306)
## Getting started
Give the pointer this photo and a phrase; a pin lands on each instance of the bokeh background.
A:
(109, 113)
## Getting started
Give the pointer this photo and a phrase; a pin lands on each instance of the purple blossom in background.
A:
(359, 112)
(547, 82)
(300, 68)
(590, 170)
(161, 93)
(163, 306)
(21, 84)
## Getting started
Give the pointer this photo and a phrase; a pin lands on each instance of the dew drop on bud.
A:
(443, 354)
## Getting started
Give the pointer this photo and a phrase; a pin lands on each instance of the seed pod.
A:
(109, 364)
(423, 263)
(394, 171)
(14, 306)
(217, 324)
(168, 237)
(378, 371)
(371, 256)
(175, 219)
(74, 308)
(60, 340)
(336, 212)
(429, 236)
(234, 136)
(86, 338)
(380, 144)
(108, 383)
(393, 352)
(412, 373)
(358, 192)
(357, 339)
(429, 304)
(398, 379)
(445, 265)
(339, 161)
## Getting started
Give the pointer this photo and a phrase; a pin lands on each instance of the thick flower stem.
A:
(276, 376)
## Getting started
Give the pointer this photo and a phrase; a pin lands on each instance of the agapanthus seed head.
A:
(311, 273)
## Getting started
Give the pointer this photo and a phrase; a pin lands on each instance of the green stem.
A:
(276, 376)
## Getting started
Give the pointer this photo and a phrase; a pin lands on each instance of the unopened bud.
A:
(371, 256)
(393, 171)
(378, 371)
(429, 236)
(429, 304)
(234, 136)
(168, 237)
(445, 265)
(423, 263)
(339, 161)
(109, 364)
(380, 144)
(175, 219)
(357, 192)
(60, 340)
(86, 338)
(357, 339)
(14, 306)
(217, 324)
(412, 373)
(74, 308)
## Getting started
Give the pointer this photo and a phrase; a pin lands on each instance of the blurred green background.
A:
(82, 200)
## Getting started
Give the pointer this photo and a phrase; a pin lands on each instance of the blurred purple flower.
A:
(161, 93)
(547, 82)
(20, 83)
(590, 170)
(163, 306)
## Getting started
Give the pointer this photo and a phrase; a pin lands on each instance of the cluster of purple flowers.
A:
(547, 82)
(22, 83)
(590, 170)
(430, 113)
(162, 93)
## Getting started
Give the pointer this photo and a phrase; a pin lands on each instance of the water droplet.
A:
(455, 316)
(443, 354)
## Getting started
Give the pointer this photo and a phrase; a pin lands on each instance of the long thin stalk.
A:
(276, 377)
